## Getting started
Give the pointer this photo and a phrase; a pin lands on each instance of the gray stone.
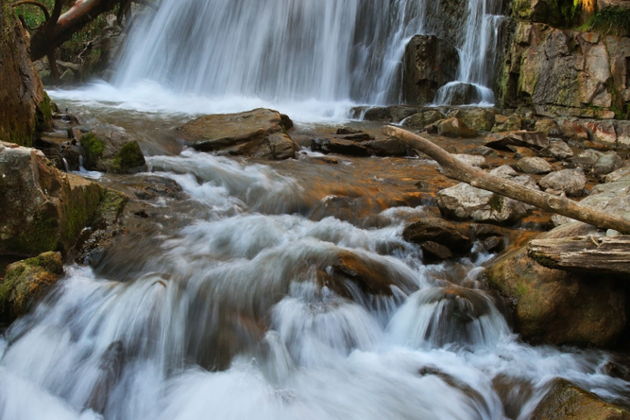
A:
(569, 181)
(454, 127)
(558, 149)
(533, 165)
(607, 163)
(421, 119)
(587, 159)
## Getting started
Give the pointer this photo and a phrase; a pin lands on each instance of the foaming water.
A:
(254, 311)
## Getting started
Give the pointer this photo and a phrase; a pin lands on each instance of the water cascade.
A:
(290, 51)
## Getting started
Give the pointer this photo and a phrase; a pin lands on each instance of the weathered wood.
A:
(584, 253)
(460, 171)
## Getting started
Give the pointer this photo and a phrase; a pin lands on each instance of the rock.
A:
(546, 11)
(618, 174)
(607, 163)
(454, 127)
(568, 73)
(573, 130)
(510, 123)
(556, 307)
(27, 280)
(43, 209)
(388, 147)
(459, 93)
(558, 149)
(531, 139)
(435, 252)
(463, 201)
(565, 401)
(259, 133)
(472, 160)
(587, 159)
(421, 119)
(533, 165)
(111, 154)
(429, 63)
(611, 198)
(26, 109)
(480, 119)
(570, 181)
(342, 147)
(395, 113)
(504, 171)
(448, 234)
(548, 126)
(602, 131)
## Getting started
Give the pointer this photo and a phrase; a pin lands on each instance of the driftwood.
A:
(454, 168)
(584, 253)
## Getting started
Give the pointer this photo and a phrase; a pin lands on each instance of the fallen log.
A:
(602, 254)
(456, 169)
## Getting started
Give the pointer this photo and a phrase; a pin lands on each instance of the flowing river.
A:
(242, 300)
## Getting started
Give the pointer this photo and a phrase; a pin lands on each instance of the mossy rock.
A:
(565, 401)
(93, 149)
(129, 159)
(27, 280)
(108, 155)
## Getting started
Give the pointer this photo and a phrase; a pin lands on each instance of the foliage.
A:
(610, 21)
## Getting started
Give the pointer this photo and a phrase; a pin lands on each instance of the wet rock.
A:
(27, 280)
(565, 401)
(451, 235)
(533, 165)
(569, 181)
(531, 139)
(514, 393)
(509, 123)
(460, 93)
(111, 154)
(556, 307)
(480, 119)
(349, 271)
(435, 252)
(557, 149)
(389, 147)
(429, 63)
(395, 113)
(607, 163)
(454, 127)
(339, 146)
(259, 133)
(421, 119)
(43, 209)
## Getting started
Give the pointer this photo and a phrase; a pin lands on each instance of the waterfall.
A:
(297, 50)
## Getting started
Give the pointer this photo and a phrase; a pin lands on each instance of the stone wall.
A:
(25, 108)
(565, 72)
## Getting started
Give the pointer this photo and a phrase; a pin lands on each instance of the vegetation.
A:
(610, 21)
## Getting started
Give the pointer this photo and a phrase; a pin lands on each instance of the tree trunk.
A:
(456, 169)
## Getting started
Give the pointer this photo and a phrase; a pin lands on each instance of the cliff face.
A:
(25, 108)
(565, 72)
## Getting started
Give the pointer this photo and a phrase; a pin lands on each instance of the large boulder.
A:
(259, 133)
(429, 63)
(557, 307)
(434, 229)
(454, 127)
(27, 280)
(481, 119)
(111, 154)
(566, 401)
(43, 209)
(25, 109)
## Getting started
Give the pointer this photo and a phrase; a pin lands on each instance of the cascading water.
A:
(238, 315)
(228, 55)
(478, 54)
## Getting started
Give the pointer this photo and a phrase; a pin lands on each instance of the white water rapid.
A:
(229, 320)
(310, 59)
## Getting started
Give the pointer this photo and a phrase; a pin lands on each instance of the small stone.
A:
(570, 181)
(558, 149)
(454, 127)
(607, 163)
(533, 165)
(587, 159)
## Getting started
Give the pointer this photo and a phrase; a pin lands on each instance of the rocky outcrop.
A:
(43, 208)
(430, 62)
(554, 306)
(566, 72)
(27, 280)
(25, 109)
(565, 401)
(259, 133)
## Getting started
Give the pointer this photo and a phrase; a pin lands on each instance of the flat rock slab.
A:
(591, 253)
(259, 133)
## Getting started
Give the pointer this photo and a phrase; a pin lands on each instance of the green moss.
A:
(496, 203)
(128, 157)
(45, 113)
(609, 21)
(42, 235)
(110, 207)
(93, 149)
